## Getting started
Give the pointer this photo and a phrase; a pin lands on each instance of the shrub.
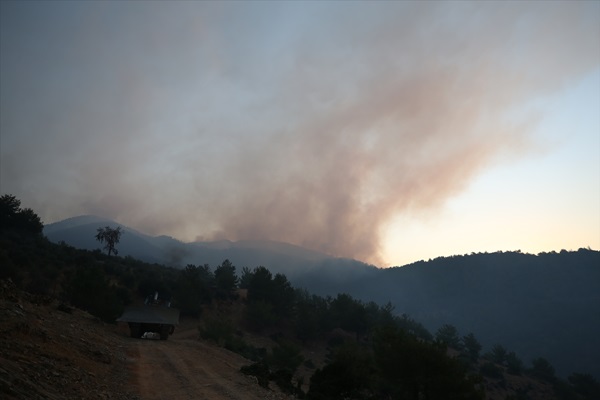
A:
(542, 369)
(219, 330)
(260, 370)
(514, 364)
(491, 370)
(89, 290)
(286, 356)
(260, 315)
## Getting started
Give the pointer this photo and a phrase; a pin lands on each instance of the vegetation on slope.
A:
(372, 352)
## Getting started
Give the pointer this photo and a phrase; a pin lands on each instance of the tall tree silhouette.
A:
(111, 236)
(225, 279)
(15, 218)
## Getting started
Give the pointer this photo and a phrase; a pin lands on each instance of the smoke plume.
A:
(313, 124)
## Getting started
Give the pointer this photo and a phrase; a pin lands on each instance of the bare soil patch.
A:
(184, 367)
(46, 353)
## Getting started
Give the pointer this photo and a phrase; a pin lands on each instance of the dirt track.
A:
(185, 368)
(49, 352)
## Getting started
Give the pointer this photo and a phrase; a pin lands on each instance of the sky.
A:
(388, 132)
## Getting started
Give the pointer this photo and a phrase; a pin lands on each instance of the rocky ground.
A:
(52, 351)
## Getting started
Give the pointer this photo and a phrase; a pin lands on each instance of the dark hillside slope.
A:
(546, 305)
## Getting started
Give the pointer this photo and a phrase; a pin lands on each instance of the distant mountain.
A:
(279, 257)
(80, 232)
(75, 222)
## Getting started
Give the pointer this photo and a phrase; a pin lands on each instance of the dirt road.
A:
(49, 351)
(185, 368)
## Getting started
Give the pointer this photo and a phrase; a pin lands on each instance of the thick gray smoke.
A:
(313, 124)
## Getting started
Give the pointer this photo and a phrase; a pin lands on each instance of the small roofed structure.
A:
(153, 317)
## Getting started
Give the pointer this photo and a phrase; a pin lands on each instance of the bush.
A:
(283, 379)
(286, 356)
(218, 330)
(9, 270)
(221, 331)
(260, 370)
(498, 354)
(260, 315)
(491, 370)
(350, 374)
(239, 346)
(514, 364)
(542, 369)
(89, 290)
(585, 385)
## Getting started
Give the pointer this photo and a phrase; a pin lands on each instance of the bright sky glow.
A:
(548, 199)
(385, 131)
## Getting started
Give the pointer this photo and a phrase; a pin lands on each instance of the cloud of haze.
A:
(309, 123)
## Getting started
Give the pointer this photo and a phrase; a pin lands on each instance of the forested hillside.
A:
(544, 304)
(537, 304)
(374, 349)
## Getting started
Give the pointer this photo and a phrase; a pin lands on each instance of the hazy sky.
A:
(388, 132)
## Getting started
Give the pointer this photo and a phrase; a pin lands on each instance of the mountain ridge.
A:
(279, 256)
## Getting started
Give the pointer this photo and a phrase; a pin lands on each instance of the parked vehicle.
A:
(154, 316)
